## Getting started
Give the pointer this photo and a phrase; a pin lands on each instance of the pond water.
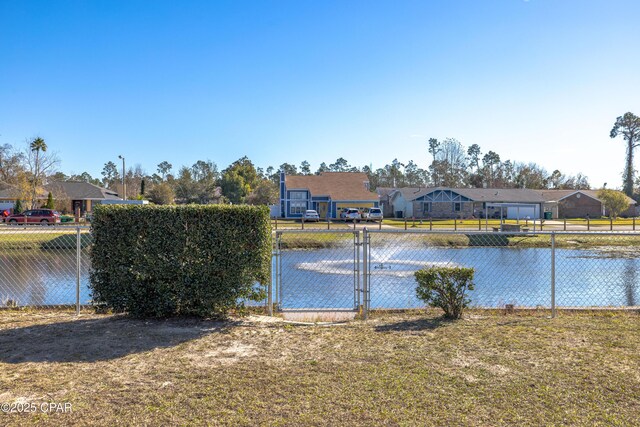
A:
(42, 277)
(324, 278)
(502, 276)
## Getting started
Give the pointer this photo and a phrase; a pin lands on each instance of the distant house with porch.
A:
(68, 195)
(512, 203)
(442, 202)
(327, 193)
(72, 195)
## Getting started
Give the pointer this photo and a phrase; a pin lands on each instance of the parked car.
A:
(496, 215)
(372, 214)
(34, 216)
(350, 214)
(310, 216)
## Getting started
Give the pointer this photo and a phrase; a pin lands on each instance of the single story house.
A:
(68, 195)
(515, 203)
(580, 204)
(442, 202)
(326, 193)
(79, 195)
(9, 194)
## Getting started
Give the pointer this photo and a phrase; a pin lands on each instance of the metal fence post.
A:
(356, 269)
(274, 273)
(553, 274)
(278, 292)
(78, 265)
(365, 274)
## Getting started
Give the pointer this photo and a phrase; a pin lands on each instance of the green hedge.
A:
(179, 260)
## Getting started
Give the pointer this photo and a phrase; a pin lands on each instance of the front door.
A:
(322, 210)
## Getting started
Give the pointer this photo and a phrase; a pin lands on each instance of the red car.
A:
(34, 216)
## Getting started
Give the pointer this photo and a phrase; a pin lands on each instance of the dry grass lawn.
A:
(394, 369)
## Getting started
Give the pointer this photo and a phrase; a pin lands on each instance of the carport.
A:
(522, 211)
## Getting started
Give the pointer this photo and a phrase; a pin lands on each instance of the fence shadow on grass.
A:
(422, 324)
(94, 340)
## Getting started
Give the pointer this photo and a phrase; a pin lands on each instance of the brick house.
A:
(580, 203)
(444, 202)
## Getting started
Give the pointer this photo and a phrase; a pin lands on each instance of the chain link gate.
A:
(317, 270)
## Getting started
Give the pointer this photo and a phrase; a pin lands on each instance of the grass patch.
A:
(397, 369)
(315, 241)
(460, 240)
(67, 241)
(40, 239)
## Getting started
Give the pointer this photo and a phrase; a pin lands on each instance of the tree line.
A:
(452, 164)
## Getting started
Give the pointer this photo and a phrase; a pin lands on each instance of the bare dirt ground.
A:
(394, 369)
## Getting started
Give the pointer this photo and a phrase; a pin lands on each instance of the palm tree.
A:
(36, 145)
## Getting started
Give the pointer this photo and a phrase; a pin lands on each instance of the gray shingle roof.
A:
(77, 190)
(555, 195)
(497, 195)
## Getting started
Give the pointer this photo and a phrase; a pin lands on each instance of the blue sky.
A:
(287, 81)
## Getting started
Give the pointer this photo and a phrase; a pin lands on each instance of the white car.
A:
(311, 216)
(350, 214)
(372, 214)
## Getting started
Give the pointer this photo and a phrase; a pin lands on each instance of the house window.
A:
(297, 208)
(457, 207)
(426, 207)
(298, 195)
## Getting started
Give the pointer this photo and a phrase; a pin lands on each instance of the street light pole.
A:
(124, 186)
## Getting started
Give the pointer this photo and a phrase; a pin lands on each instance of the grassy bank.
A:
(488, 369)
(19, 239)
(577, 241)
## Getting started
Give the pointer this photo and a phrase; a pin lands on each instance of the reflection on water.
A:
(324, 278)
(41, 277)
(502, 276)
(630, 282)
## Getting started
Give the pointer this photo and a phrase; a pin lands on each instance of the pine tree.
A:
(49, 204)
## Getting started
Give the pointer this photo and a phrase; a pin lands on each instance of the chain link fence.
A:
(349, 269)
(44, 265)
(374, 269)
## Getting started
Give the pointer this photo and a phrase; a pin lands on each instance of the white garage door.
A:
(521, 212)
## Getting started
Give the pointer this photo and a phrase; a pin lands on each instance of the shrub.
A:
(445, 287)
(179, 260)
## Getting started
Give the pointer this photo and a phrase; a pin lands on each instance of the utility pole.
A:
(124, 186)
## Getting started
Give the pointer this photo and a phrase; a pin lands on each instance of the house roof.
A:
(505, 195)
(497, 195)
(78, 190)
(8, 191)
(411, 193)
(385, 191)
(488, 195)
(337, 185)
(557, 195)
